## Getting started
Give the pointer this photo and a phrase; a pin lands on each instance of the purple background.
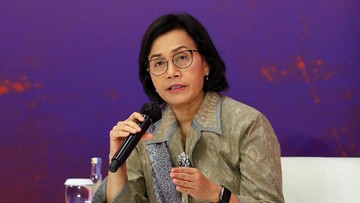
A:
(68, 73)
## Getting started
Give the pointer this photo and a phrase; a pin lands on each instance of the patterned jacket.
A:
(231, 143)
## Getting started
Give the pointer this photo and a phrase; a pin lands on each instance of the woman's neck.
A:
(185, 113)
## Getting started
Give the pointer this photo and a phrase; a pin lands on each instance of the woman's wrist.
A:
(215, 193)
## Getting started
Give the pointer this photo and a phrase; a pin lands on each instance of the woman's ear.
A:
(206, 68)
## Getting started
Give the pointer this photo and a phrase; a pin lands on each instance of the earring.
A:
(207, 76)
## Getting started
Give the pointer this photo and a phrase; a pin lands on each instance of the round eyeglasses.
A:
(159, 66)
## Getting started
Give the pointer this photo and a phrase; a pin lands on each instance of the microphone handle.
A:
(128, 146)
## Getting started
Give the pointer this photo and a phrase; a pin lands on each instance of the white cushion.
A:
(321, 180)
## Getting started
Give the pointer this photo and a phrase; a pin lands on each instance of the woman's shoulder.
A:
(236, 113)
(232, 106)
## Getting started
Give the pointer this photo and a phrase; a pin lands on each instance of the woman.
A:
(207, 147)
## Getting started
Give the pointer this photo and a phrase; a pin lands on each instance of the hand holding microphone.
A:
(134, 128)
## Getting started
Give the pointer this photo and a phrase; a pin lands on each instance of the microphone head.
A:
(152, 110)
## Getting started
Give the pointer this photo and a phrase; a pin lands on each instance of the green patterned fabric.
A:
(231, 143)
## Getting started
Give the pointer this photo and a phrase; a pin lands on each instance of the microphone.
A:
(152, 113)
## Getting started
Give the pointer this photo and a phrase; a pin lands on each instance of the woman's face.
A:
(177, 86)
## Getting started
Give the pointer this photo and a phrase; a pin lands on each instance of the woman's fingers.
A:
(127, 127)
(123, 129)
(191, 181)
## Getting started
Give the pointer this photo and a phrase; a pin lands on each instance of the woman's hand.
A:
(123, 129)
(117, 180)
(191, 181)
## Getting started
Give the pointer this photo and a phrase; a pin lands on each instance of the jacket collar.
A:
(206, 119)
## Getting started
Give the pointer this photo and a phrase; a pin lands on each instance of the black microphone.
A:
(152, 113)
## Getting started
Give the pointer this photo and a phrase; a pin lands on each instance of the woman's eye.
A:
(182, 58)
(159, 63)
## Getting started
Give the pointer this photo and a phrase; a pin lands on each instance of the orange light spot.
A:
(283, 72)
(319, 62)
(32, 104)
(38, 85)
(18, 87)
(300, 64)
(24, 77)
(266, 73)
(27, 85)
(335, 133)
(316, 99)
(3, 89)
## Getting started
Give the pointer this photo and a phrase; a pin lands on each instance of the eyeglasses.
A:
(159, 66)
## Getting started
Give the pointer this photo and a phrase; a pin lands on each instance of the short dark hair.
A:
(216, 80)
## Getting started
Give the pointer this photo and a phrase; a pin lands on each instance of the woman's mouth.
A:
(176, 88)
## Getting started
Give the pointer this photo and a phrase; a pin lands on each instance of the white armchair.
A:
(321, 180)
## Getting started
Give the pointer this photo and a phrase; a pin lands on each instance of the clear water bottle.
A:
(96, 176)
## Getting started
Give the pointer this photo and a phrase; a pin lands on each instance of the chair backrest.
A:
(321, 180)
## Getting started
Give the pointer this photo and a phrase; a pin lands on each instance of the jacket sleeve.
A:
(134, 189)
(260, 164)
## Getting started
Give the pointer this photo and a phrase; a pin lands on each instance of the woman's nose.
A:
(173, 70)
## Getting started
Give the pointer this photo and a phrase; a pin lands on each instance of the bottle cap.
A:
(78, 182)
(96, 160)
